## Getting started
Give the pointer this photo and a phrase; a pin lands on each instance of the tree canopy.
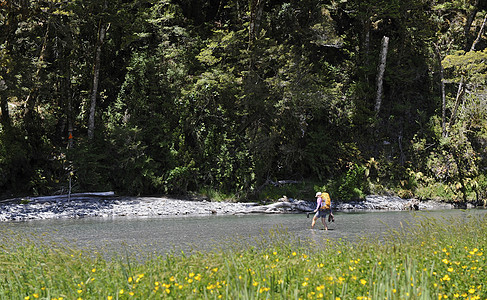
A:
(175, 96)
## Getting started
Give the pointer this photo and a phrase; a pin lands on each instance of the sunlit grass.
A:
(217, 196)
(435, 259)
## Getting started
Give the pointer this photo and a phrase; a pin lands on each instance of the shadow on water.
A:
(140, 237)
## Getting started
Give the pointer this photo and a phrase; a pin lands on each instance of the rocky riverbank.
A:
(108, 205)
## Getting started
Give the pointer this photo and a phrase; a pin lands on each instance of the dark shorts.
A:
(321, 213)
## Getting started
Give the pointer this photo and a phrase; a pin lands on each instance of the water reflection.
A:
(136, 236)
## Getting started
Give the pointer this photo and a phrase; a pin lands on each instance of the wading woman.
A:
(323, 207)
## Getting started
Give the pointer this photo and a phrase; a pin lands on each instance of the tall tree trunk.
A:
(366, 46)
(479, 35)
(460, 92)
(461, 85)
(252, 79)
(5, 115)
(443, 95)
(66, 84)
(468, 25)
(8, 36)
(70, 123)
(256, 8)
(96, 79)
(380, 75)
(30, 101)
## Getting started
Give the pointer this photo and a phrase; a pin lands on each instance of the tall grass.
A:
(217, 196)
(434, 259)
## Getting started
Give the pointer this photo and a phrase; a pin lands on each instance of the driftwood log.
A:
(70, 197)
(284, 204)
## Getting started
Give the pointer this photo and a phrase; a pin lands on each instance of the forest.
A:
(181, 96)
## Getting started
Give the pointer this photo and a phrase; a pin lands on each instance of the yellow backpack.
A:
(326, 204)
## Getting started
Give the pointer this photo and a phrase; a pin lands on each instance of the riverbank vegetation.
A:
(430, 259)
(173, 97)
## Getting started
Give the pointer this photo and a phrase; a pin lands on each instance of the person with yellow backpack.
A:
(323, 208)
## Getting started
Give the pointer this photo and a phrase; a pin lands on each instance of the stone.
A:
(103, 206)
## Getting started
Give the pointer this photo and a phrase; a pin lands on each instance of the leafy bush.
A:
(91, 170)
(435, 191)
(218, 196)
(16, 168)
(304, 190)
(351, 185)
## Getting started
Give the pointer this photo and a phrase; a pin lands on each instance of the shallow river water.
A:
(162, 235)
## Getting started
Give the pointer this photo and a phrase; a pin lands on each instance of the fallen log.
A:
(278, 207)
(76, 196)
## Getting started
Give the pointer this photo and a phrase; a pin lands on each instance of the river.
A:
(136, 236)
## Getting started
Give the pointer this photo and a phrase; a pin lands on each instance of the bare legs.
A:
(322, 221)
(313, 222)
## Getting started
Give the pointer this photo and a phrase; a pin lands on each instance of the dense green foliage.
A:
(429, 259)
(166, 96)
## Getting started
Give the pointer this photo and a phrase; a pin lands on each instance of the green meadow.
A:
(431, 259)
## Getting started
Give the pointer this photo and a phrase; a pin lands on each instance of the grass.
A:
(269, 193)
(300, 190)
(217, 196)
(435, 259)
